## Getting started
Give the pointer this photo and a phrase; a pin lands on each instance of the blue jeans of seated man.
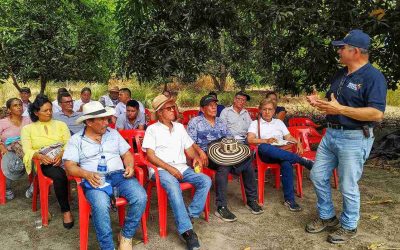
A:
(100, 205)
(202, 184)
(272, 154)
(221, 180)
(347, 150)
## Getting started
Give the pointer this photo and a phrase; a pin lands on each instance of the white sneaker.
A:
(29, 191)
(9, 194)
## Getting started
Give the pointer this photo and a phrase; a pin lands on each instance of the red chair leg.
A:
(148, 191)
(207, 208)
(83, 225)
(261, 179)
(144, 229)
(299, 178)
(35, 193)
(121, 215)
(162, 212)
(335, 179)
(277, 178)
(243, 190)
(2, 187)
(44, 203)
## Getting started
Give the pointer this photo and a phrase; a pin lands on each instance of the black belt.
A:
(341, 127)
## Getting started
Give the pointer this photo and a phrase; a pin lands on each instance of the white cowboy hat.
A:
(228, 152)
(94, 109)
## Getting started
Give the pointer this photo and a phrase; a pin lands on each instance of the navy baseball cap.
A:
(356, 38)
(205, 100)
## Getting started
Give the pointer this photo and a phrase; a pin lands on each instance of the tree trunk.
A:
(216, 82)
(43, 82)
(14, 80)
(165, 87)
(222, 77)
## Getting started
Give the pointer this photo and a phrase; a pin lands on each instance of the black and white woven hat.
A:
(228, 152)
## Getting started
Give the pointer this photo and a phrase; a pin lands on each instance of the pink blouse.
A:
(8, 129)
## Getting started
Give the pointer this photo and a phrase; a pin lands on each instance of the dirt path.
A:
(277, 228)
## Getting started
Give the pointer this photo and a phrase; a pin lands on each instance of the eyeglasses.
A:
(71, 101)
(170, 108)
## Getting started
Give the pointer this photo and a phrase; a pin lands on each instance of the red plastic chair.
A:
(304, 133)
(189, 114)
(262, 167)
(211, 173)
(44, 185)
(163, 200)
(253, 112)
(135, 139)
(84, 212)
(303, 121)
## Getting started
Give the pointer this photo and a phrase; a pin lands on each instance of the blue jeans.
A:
(272, 154)
(347, 150)
(202, 184)
(221, 180)
(100, 204)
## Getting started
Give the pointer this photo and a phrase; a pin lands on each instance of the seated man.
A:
(133, 119)
(220, 107)
(236, 117)
(110, 100)
(86, 148)
(207, 128)
(166, 143)
(67, 114)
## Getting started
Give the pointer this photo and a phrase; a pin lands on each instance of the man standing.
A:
(25, 94)
(133, 119)
(207, 128)
(357, 100)
(86, 148)
(86, 95)
(110, 100)
(236, 117)
(166, 143)
(67, 114)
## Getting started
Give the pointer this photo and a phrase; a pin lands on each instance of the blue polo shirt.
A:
(365, 87)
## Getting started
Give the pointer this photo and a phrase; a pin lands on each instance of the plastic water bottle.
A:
(102, 169)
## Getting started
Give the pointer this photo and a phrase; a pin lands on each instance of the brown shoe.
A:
(124, 243)
(318, 225)
(341, 235)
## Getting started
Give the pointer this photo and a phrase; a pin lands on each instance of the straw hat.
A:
(94, 109)
(228, 152)
(159, 101)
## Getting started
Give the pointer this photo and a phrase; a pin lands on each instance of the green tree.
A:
(55, 40)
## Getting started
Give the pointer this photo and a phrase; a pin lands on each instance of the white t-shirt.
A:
(168, 146)
(56, 107)
(78, 103)
(273, 129)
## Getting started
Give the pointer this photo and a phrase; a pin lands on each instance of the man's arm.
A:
(197, 155)
(73, 169)
(151, 156)
(129, 164)
(333, 107)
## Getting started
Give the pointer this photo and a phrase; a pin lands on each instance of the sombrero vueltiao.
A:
(228, 152)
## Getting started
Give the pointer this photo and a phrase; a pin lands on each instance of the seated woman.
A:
(10, 131)
(266, 131)
(280, 112)
(36, 138)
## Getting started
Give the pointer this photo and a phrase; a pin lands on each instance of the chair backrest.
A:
(303, 133)
(189, 114)
(301, 121)
(135, 138)
(253, 112)
(147, 114)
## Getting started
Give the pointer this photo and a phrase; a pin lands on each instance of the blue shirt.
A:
(124, 123)
(70, 121)
(365, 87)
(87, 153)
(202, 133)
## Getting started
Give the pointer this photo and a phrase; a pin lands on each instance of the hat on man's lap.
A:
(228, 152)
